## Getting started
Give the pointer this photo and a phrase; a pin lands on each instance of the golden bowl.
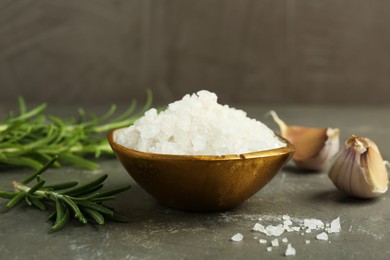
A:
(197, 182)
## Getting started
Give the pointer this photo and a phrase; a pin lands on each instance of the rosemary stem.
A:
(74, 149)
(105, 147)
(3, 127)
(9, 150)
(21, 187)
(108, 127)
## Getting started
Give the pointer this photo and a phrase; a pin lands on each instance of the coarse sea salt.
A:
(259, 228)
(322, 236)
(198, 125)
(237, 237)
(313, 223)
(275, 230)
(290, 251)
(289, 224)
(334, 226)
(275, 242)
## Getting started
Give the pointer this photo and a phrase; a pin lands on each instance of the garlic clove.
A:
(314, 147)
(375, 168)
(359, 169)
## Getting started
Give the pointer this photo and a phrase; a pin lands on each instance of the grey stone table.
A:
(158, 232)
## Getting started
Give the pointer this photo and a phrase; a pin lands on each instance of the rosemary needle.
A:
(31, 138)
(83, 202)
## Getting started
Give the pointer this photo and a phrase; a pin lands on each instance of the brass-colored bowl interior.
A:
(200, 182)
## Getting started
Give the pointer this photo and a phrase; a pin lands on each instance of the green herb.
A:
(31, 138)
(83, 202)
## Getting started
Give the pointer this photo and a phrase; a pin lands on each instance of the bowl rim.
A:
(289, 148)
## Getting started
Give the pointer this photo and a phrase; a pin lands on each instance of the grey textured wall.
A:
(295, 51)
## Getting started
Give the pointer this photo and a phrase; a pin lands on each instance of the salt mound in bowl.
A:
(213, 159)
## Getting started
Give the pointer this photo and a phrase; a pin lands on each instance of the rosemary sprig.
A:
(31, 138)
(83, 202)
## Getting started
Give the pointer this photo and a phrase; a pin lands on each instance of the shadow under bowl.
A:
(200, 182)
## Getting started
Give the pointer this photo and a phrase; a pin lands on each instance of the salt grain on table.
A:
(275, 230)
(237, 237)
(322, 236)
(313, 223)
(308, 224)
(335, 226)
(275, 242)
(262, 241)
(290, 251)
(259, 228)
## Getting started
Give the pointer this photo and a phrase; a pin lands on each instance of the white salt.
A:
(322, 236)
(284, 240)
(287, 222)
(313, 223)
(307, 242)
(237, 237)
(269, 249)
(295, 229)
(275, 242)
(198, 125)
(262, 241)
(290, 251)
(334, 227)
(275, 230)
(259, 228)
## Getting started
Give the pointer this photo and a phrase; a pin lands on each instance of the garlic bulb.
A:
(359, 169)
(314, 147)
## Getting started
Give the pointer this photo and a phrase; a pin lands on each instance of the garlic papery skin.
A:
(314, 147)
(359, 169)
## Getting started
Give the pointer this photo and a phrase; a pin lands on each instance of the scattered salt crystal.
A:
(296, 228)
(335, 226)
(322, 236)
(260, 228)
(290, 251)
(313, 223)
(274, 230)
(237, 237)
(198, 125)
(308, 225)
(262, 241)
(275, 242)
(287, 222)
